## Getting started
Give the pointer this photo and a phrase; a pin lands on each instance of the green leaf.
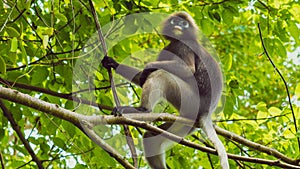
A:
(262, 115)
(14, 45)
(48, 31)
(228, 62)
(261, 106)
(131, 26)
(59, 142)
(269, 43)
(44, 147)
(2, 66)
(45, 31)
(39, 75)
(207, 27)
(99, 76)
(70, 129)
(2, 135)
(12, 57)
(45, 41)
(17, 113)
(12, 32)
(61, 17)
(214, 15)
(288, 134)
(233, 10)
(281, 51)
(297, 91)
(274, 111)
(294, 31)
(13, 75)
(118, 50)
(24, 53)
(228, 109)
(227, 16)
(130, 29)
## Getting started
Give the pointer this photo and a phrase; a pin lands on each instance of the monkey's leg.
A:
(154, 148)
(211, 134)
(161, 84)
(183, 94)
(155, 144)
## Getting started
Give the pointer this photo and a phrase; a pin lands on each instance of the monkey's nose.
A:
(177, 30)
(178, 27)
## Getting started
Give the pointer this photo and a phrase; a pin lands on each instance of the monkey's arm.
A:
(180, 69)
(130, 73)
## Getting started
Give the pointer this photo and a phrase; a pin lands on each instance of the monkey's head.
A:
(180, 26)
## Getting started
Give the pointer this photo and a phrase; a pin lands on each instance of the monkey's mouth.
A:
(177, 30)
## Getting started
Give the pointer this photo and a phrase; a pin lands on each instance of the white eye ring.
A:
(172, 21)
(184, 24)
(180, 22)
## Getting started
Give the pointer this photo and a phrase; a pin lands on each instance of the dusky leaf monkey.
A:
(184, 74)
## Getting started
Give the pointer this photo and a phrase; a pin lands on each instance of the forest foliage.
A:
(50, 51)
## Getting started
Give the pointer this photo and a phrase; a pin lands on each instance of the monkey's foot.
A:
(118, 111)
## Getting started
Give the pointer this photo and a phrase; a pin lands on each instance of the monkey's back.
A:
(207, 72)
(209, 79)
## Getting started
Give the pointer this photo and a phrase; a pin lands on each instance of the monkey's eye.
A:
(180, 22)
(184, 24)
(174, 21)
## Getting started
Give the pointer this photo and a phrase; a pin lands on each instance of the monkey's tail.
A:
(211, 134)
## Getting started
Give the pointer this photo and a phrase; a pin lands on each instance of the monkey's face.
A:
(179, 26)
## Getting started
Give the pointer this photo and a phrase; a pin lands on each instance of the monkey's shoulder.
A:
(180, 46)
(177, 49)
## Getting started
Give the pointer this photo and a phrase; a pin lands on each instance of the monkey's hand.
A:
(146, 72)
(109, 63)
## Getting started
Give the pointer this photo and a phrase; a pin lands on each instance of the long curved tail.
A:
(211, 134)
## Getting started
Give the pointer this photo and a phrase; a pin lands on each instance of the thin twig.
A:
(6, 20)
(88, 128)
(17, 129)
(2, 161)
(285, 84)
(113, 88)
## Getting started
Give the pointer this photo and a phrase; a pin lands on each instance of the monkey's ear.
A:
(109, 63)
(145, 74)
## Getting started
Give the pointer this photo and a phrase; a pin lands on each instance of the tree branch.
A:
(255, 146)
(129, 119)
(68, 96)
(129, 138)
(17, 129)
(282, 78)
(88, 128)
(2, 161)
